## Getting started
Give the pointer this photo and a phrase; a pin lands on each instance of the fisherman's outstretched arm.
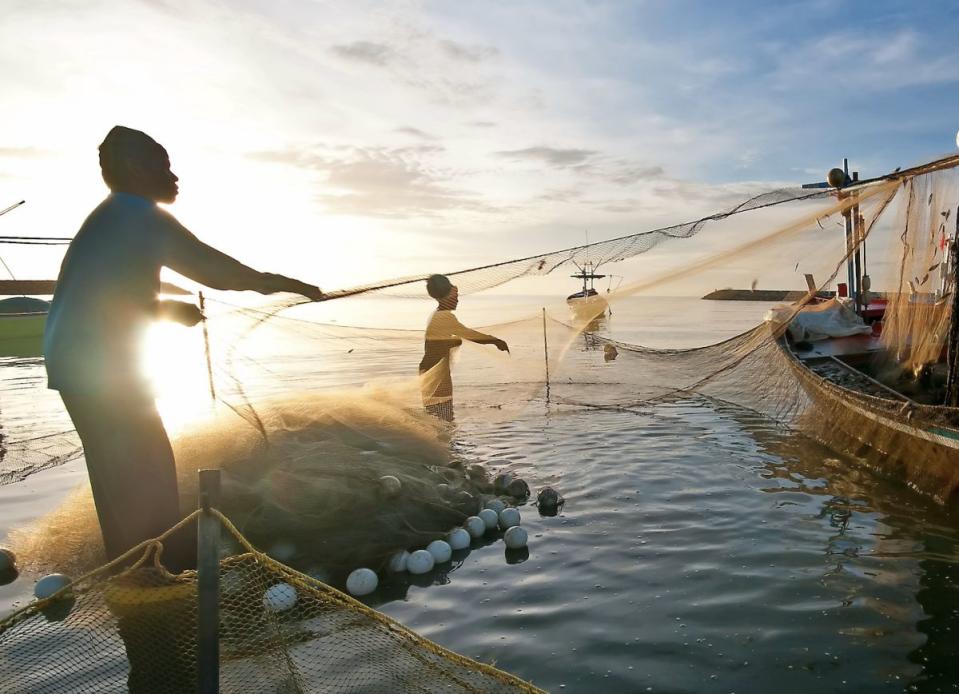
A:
(186, 254)
(461, 331)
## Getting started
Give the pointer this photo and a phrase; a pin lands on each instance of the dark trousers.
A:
(132, 474)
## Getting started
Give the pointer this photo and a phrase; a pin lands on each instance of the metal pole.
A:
(850, 263)
(208, 585)
(857, 239)
(206, 349)
(546, 354)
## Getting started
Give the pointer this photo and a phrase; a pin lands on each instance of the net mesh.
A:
(131, 626)
(303, 415)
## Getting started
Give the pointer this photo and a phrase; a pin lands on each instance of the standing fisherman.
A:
(106, 296)
(444, 333)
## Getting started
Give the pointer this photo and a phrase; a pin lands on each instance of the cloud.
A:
(560, 158)
(586, 162)
(367, 52)
(415, 132)
(380, 182)
(469, 54)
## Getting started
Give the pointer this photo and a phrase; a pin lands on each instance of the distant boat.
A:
(587, 304)
(22, 320)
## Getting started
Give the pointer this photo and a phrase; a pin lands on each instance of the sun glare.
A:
(174, 361)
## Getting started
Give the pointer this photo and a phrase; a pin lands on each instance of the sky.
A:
(349, 142)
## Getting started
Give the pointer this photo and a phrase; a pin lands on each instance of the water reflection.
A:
(905, 527)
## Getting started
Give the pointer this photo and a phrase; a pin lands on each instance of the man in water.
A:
(444, 333)
(106, 296)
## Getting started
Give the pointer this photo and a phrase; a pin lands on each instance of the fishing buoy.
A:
(420, 562)
(516, 537)
(279, 598)
(518, 489)
(390, 486)
(490, 518)
(495, 505)
(549, 500)
(50, 584)
(458, 538)
(398, 562)
(475, 526)
(508, 518)
(501, 482)
(361, 582)
(282, 551)
(8, 560)
(440, 550)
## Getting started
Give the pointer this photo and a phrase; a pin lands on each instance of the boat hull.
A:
(587, 308)
(918, 444)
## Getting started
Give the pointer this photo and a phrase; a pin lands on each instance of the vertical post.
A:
(206, 349)
(858, 240)
(850, 263)
(952, 350)
(208, 585)
(546, 354)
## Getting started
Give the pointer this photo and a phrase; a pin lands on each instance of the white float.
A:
(279, 597)
(361, 582)
(516, 537)
(458, 538)
(50, 584)
(495, 505)
(508, 518)
(490, 518)
(398, 562)
(475, 526)
(440, 550)
(420, 562)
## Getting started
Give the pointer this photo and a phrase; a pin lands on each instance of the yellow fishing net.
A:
(311, 410)
(132, 626)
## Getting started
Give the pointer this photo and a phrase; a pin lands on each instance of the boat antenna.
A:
(12, 207)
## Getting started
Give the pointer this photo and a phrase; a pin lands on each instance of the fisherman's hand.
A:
(279, 283)
(501, 345)
(179, 312)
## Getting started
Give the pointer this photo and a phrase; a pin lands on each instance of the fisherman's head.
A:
(445, 292)
(133, 162)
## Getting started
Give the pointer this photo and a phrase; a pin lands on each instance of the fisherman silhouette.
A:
(106, 296)
(443, 334)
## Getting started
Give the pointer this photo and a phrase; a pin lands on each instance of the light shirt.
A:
(108, 287)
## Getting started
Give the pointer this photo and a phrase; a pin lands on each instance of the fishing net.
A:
(306, 406)
(132, 626)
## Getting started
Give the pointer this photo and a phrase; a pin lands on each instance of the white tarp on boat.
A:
(831, 318)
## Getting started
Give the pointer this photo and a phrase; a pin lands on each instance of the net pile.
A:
(131, 626)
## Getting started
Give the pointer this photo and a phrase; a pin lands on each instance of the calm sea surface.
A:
(702, 548)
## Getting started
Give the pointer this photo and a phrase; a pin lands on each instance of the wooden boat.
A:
(861, 415)
(587, 304)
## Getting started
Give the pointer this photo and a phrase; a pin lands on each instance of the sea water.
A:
(702, 548)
